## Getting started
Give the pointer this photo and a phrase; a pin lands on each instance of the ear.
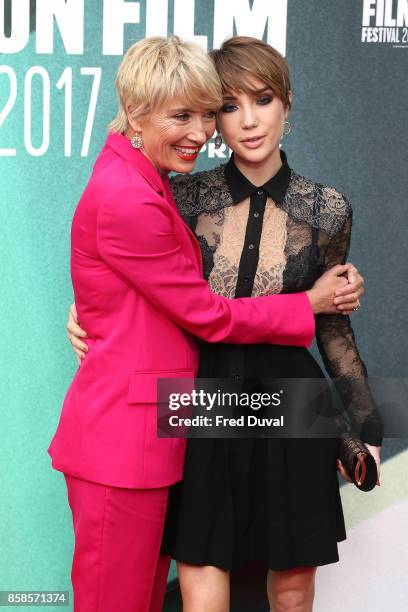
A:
(133, 122)
(290, 101)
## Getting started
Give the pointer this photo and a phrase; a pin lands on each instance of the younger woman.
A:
(263, 228)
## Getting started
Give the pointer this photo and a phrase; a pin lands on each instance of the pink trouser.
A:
(117, 563)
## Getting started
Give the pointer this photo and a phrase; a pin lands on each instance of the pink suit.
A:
(137, 276)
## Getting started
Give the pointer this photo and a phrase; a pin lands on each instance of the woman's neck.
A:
(258, 173)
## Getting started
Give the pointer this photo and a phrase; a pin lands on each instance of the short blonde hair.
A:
(157, 69)
(241, 57)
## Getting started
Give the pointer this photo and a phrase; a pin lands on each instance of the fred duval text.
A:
(220, 421)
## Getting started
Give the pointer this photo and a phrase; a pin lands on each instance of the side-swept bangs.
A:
(243, 57)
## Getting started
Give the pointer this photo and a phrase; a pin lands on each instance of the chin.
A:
(255, 156)
(183, 166)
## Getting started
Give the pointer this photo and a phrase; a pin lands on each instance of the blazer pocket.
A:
(143, 385)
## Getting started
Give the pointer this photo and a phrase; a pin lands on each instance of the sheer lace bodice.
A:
(301, 236)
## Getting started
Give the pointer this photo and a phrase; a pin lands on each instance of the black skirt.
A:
(275, 501)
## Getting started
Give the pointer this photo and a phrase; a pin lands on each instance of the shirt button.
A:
(251, 246)
(246, 279)
(260, 192)
(236, 376)
(256, 215)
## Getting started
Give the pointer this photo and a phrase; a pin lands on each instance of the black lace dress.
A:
(271, 500)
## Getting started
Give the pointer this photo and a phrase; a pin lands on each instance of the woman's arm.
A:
(338, 348)
(136, 239)
(321, 296)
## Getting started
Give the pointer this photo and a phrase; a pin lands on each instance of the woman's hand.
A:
(333, 293)
(342, 471)
(347, 298)
(75, 333)
(375, 451)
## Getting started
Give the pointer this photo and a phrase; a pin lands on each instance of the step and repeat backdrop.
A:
(349, 71)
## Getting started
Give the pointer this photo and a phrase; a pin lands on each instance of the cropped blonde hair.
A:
(157, 69)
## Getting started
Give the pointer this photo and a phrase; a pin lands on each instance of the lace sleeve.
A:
(337, 346)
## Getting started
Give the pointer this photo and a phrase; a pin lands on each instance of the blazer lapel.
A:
(160, 184)
(192, 238)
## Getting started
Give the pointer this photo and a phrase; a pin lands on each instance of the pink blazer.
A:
(137, 276)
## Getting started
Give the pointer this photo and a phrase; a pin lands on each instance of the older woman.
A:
(140, 294)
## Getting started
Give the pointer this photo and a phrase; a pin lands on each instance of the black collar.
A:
(241, 188)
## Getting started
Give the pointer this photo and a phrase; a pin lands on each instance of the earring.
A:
(218, 141)
(287, 128)
(136, 141)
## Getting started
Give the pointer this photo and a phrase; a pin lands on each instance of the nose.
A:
(248, 117)
(201, 131)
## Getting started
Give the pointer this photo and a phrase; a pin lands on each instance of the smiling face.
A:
(173, 135)
(251, 123)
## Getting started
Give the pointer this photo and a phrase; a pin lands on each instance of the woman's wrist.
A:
(314, 300)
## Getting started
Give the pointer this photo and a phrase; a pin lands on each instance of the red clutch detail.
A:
(360, 470)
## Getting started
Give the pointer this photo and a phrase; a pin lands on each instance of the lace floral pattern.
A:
(320, 206)
(203, 191)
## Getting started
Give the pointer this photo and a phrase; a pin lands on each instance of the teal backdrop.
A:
(349, 66)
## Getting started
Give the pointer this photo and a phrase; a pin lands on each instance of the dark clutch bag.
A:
(358, 462)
